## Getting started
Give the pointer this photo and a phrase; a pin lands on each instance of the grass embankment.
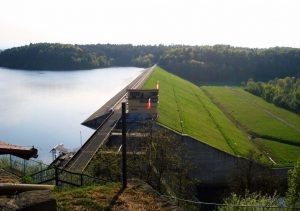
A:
(87, 198)
(137, 196)
(282, 154)
(261, 118)
(185, 108)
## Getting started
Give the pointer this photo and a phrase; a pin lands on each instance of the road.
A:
(84, 155)
(114, 101)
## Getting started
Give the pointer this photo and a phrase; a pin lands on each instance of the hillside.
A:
(223, 117)
(46, 56)
(218, 63)
(223, 63)
(185, 108)
(275, 130)
(137, 196)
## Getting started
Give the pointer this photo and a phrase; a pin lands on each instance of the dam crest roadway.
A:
(104, 120)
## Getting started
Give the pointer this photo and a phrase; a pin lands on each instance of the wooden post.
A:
(124, 157)
(10, 161)
(56, 176)
(24, 167)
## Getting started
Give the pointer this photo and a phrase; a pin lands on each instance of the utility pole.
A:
(124, 156)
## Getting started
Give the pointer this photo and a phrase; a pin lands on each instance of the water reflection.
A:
(44, 108)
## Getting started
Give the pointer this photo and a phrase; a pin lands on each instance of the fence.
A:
(42, 173)
(61, 177)
(204, 206)
(20, 166)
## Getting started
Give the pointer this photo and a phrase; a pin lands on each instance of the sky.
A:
(244, 23)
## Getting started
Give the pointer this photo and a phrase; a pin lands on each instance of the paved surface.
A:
(84, 155)
(114, 101)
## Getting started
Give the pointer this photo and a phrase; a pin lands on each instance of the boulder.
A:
(30, 200)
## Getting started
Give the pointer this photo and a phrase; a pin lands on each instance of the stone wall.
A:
(213, 166)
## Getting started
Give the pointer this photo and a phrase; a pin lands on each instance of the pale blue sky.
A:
(250, 23)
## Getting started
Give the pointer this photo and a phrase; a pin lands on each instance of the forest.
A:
(45, 56)
(222, 63)
(283, 92)
(211, 64)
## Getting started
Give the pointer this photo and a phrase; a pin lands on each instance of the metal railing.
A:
(42, 173)
(61, 177)
(20, 166)
(204, 206)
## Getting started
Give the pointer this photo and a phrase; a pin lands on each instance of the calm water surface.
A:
(45, 108)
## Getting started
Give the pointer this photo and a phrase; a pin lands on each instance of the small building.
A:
(142, 105)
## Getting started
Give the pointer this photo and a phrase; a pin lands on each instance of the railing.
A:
(42, 173)
(74, 157)
(20, 166)
(61, 177)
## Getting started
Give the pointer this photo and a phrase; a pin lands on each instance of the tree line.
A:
(45, 56)
(222, 63)
(283, 92)
(218, 63)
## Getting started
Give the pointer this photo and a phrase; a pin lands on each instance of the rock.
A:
(8, 203)
(30, 200)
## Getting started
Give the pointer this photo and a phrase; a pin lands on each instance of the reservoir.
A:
(45, 108)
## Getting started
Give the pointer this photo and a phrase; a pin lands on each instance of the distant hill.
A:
(219, 63)
(49, 56)
(46, 56)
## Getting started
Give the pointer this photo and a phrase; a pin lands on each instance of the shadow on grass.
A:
(115, 198)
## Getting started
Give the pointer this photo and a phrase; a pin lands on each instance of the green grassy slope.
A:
(282, 154)
(282, 113)
(249, 112)
(185, 108)
(250, 116)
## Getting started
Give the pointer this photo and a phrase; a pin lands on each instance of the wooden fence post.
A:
(56, 176)
(124, 158)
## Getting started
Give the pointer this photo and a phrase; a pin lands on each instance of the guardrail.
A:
(67, 165)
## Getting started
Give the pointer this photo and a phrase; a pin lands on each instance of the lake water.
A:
(45, 108)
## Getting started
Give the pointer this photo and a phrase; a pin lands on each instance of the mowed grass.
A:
(280, 112)
(283, 154)
(185, 108)
(252, 117)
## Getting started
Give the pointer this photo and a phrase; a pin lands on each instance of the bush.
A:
(293, 194)
(27, 179)
(250, 199)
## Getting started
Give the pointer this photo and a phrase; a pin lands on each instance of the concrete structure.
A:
(104, 120)
(104, 112)
(22, 152)
(215, 167)
(211, 166)
(142, 106)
